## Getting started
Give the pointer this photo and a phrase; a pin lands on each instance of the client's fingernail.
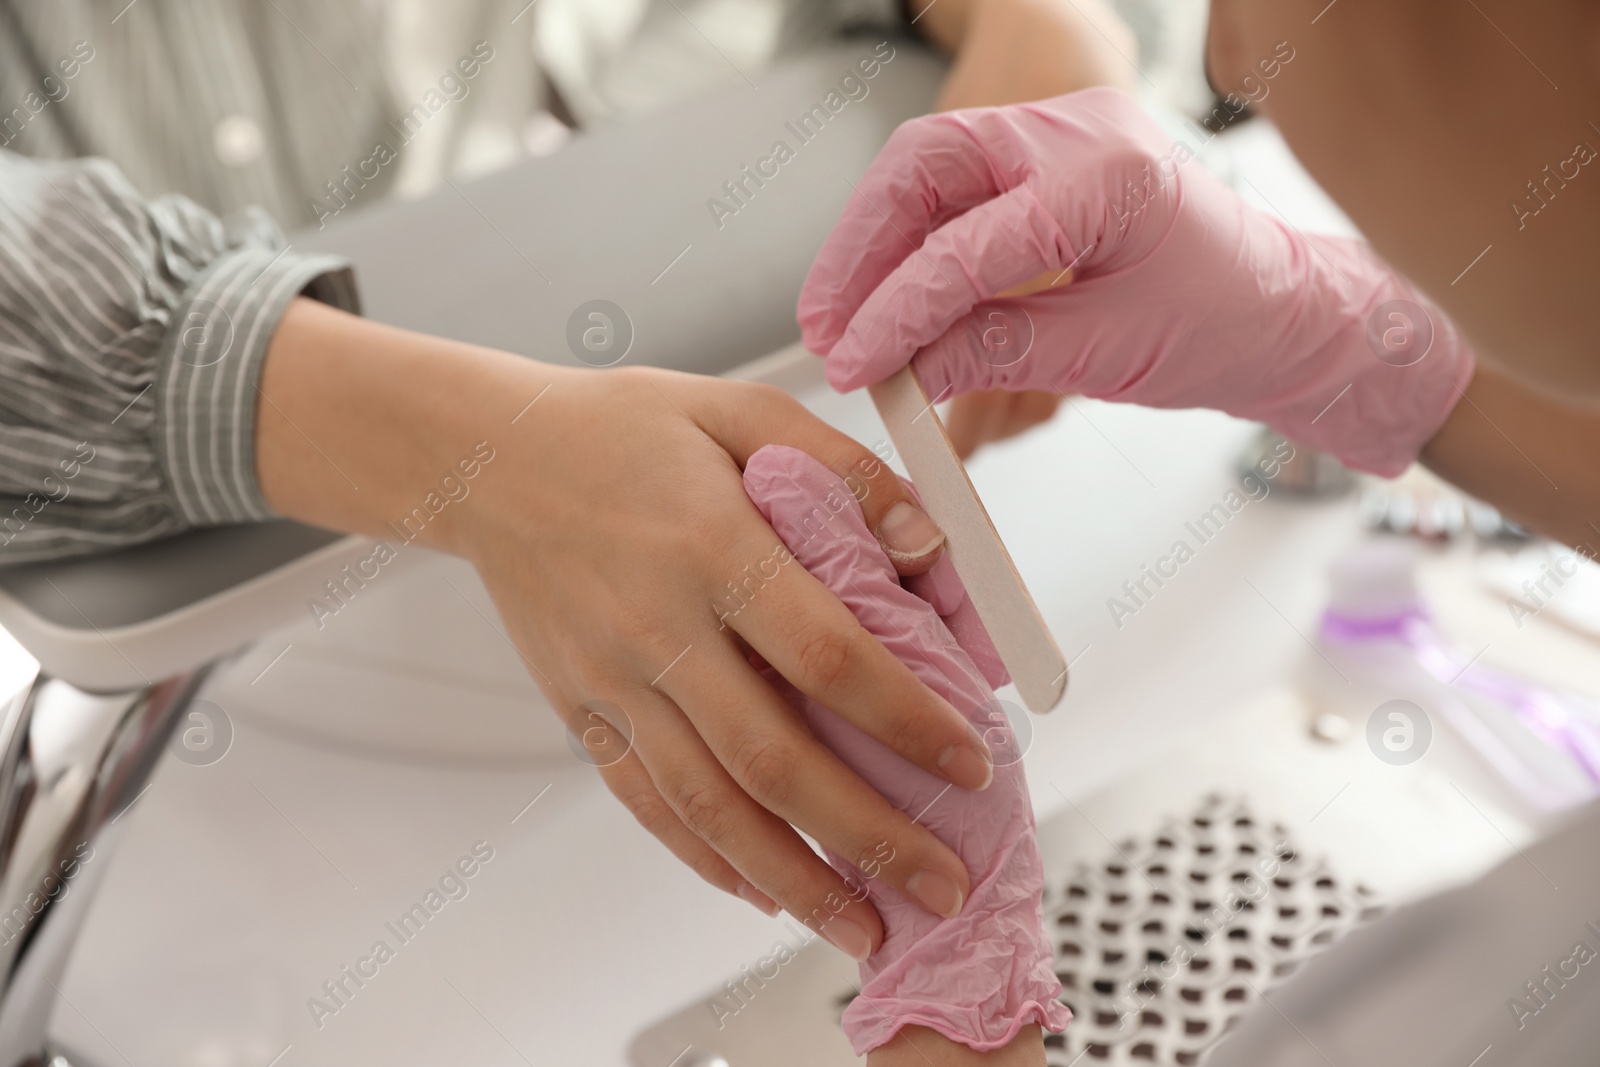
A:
(907, 534)
(965, 765)
(753, 896)
(936, 893)
(849, 937)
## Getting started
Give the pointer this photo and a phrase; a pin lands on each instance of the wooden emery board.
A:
(997, 590)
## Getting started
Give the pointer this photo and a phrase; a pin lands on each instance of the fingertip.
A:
(757, 899)
(817, 334)
(937, 893)
(912, 541)
(847, 934)
(969, 765)
(940, 586)
(913, 566)
(842, 373)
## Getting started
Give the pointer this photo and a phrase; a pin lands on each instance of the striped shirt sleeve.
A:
(132, 333)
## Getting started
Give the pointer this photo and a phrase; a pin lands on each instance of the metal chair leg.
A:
(71, 763)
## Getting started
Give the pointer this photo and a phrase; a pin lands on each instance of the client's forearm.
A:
(357, 421)
(917, 1046)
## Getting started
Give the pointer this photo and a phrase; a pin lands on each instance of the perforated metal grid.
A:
(1163, 945)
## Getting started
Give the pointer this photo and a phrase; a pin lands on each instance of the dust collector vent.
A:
(1163, 945)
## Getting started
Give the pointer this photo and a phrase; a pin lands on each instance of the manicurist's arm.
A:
(1008, 51)
(1530, 454)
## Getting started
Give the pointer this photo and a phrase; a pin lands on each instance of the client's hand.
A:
(1182, 294)
(608, 519)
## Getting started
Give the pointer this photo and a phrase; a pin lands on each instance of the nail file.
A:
(997, 590)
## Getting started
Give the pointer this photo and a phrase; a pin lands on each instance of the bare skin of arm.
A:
(1011, 51)
(917, 1046)
(1483, 219)
(1495, 216)
(1532, 456)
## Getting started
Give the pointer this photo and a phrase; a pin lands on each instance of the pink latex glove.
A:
(979, 977)
(1182, 294)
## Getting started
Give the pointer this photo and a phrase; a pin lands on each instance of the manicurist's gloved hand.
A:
(1182, 295)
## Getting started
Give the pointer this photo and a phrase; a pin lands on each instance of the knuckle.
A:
(910, 134)
(759, 406)
(634, 377)
(651, 812)
(867, 474)
(711, 871)
(768, 397)
(637, 633)
(877, 854)
(826, 659)
(765, 766)
(705, 809)
(908, 734)
(633, 621)
(634, 387)
(1129, 157)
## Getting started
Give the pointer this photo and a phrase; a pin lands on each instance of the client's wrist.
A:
(918, 1046)
(369, 429)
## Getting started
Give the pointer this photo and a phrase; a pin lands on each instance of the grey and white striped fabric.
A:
(132, 329)
(262, 103)
(131, 339)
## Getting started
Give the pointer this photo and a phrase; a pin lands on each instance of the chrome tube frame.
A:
(71, 764)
